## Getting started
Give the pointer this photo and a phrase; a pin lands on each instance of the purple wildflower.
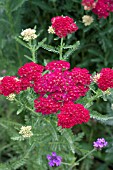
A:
(54, 160)
(100, 143)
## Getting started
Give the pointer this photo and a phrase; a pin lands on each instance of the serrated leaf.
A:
(68, 136)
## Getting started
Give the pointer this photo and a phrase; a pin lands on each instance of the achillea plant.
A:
(56, 99)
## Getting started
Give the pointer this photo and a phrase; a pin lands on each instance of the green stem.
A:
(32, 50)
(33, 54)
(89, 153)
(61, 49)
(64, 163)
(93, 90)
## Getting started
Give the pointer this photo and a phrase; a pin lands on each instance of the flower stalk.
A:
(61, 49)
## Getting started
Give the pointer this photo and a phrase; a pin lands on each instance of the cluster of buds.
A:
(87, 20)
(25, 131)
(29, 34)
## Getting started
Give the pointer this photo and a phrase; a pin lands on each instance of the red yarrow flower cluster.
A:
(57, 88)
(9, 84)
(46, 105)
(29, 73)
(106, 79)
(61, 85)
(110, 3)
(57, 65)
(72, 114)
(88, 4)
(63, 25)
(102, 8)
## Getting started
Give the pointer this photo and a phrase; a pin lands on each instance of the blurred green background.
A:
(94, 53)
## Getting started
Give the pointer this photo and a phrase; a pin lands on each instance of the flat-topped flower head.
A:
(88, 4)
(105, 80)
(54, 160)
(9, 85)
(72, 114)
(63, 25)
(46, 105)
(102, 9)
(28, 34)
(100, 143)
(58, 65)
(31, 71)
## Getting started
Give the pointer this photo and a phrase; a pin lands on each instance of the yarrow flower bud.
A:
(87, 20)
(100, 143)
(11, 97)
(51, 30)
(29, 34)
(26, 132)
(54, 160)
(96, 77)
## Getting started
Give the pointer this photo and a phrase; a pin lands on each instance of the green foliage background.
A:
(94, 53)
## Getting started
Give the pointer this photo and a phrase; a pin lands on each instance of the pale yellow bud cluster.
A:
(96, 77)
(87, 20)
(29, 34)
(51, 30)
(26, 132)
(11, 97)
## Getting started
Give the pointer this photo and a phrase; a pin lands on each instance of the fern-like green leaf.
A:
(49, 48)
(40, 44)
(99, 117)
(21, 42)
(71, 51)
(69, 137)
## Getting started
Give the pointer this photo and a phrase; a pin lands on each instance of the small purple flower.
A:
(100, 143)
(54, 160)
